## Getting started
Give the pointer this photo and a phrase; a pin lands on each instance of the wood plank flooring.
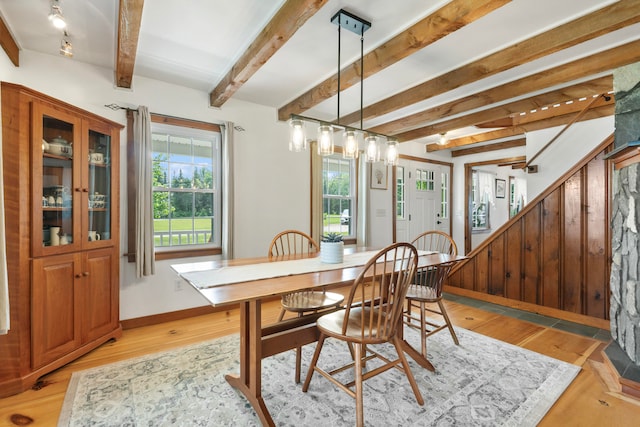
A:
(587, 402)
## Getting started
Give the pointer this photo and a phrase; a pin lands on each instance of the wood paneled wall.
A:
(557, 251)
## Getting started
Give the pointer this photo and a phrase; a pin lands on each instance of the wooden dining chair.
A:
(372, 315)
(288, 244)
(427, 289)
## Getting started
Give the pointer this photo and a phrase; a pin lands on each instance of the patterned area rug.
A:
(482, 382)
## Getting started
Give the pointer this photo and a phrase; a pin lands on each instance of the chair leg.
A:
(281, 315)
(298, 351)
(407, 370)
(449, 325)
(314, 361)
(358, 380)
(423, 328)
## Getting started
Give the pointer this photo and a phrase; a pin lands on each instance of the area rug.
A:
(481, 382)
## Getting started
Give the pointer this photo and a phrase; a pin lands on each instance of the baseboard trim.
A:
(533, 308)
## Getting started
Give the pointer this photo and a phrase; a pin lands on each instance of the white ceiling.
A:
(194, 43)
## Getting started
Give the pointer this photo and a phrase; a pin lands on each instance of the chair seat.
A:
(311, 301)
(331, 324)
(422, 293)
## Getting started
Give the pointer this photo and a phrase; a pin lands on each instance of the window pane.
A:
(203, 204)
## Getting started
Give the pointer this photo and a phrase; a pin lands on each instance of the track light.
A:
(55, 16)
(66, 48)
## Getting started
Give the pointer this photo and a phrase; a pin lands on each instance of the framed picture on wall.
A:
(501, 188)
(378, 179)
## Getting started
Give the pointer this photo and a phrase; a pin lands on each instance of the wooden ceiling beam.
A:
(129, 19)
(618, 15)
(579, 90)
(9, 44)
(520, 142)
(595, 113)
(289, 18)
(598, 63)
(439, 24)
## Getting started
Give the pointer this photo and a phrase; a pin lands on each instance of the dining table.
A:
(247, 282)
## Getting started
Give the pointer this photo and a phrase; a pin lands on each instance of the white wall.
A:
(272, 188)
(575, 143)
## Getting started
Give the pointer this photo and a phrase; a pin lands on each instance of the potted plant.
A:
(332, 248)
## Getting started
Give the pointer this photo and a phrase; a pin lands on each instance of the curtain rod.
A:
(116, 107)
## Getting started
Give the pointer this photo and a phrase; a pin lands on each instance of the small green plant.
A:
(332, 237)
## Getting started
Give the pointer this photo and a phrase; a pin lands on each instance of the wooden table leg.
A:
(249, 382)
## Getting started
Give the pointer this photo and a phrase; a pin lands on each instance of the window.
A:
(481, 197)
(400, 195)
(425, 180)
(186, 186)
(444, 188)
(338, 195)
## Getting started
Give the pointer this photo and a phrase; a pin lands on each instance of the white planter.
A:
(331, 252)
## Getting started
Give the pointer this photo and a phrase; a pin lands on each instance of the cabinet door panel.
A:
(55, 330)
(100, 294)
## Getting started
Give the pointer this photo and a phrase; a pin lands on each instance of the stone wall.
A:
(625, 271)
(625, 243)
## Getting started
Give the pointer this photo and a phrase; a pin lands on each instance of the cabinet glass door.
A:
(55, 183)
(99, 186)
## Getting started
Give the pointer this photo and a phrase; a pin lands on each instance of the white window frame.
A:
(188, 132)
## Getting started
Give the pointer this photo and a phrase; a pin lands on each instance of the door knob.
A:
(438, 222)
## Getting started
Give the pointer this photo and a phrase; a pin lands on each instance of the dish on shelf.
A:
(58, 146)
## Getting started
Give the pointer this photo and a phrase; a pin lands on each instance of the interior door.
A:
(422, 204)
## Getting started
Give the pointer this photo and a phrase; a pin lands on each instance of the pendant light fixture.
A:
(391, 157)
(351, 137)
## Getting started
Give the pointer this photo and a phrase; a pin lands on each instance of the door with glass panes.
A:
(423, 191)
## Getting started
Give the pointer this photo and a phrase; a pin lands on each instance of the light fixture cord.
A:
(339, 26)
(361, 73)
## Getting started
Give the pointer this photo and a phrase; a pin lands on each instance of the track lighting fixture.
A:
(55, 16)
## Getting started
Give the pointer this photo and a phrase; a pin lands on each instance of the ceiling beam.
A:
(477, 138)
(595, 113)
(289, 18)
(577, 91)
(9, 44)
(559, 109)
(520, 142)
(618, 15)
(129, 19)
(439, 24)
(600, 62)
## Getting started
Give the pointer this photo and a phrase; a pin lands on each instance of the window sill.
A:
(183, 253)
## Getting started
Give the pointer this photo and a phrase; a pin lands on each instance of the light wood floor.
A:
(587, 401)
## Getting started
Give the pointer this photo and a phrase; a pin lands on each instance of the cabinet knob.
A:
(78, 276)
(78, 190)
(84, 190)
(85, 274)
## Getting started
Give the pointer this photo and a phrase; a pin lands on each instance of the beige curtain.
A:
(4, 283)
(227, 190)
(316, 193)
(145, 258)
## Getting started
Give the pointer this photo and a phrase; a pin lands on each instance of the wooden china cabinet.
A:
(61, 182)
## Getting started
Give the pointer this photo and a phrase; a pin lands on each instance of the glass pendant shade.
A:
(297, 139)
(350, 147)
(443, 140)
(325, 140)
(372, 152)
(391, 157)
